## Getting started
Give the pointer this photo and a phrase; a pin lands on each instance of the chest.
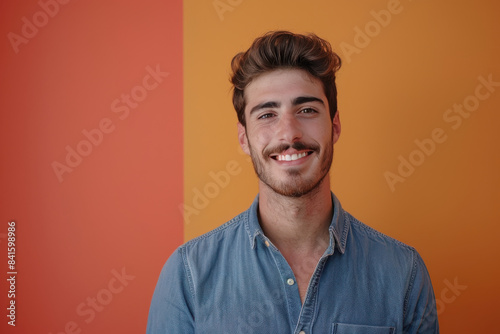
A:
(261, 297)
(303, 268)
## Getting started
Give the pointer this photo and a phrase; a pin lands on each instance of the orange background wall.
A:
(168, 144)
(395, 87)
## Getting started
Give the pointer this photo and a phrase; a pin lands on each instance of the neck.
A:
(297, 223)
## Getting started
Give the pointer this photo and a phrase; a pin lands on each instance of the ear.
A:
(336, 127)
(242, 138)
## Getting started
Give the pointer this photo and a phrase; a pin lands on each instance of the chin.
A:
(296, 190)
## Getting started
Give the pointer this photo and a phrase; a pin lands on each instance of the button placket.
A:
(291, 292)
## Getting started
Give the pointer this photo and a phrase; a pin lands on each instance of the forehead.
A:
(283, 85)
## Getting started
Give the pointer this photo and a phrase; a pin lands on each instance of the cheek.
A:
(259, 138)
(321, 133)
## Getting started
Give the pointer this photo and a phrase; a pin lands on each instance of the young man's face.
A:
(289, 133)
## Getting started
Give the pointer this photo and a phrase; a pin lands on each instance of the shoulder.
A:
(379, 248)
(371, 237)
(383, 254)
(227, 230)
(211, 246)
(201, 252)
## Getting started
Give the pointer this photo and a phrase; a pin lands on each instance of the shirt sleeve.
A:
(420, 314)
(171, 306)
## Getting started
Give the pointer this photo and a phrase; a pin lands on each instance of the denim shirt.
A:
(234, 280)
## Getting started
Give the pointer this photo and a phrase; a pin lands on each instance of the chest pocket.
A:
(360, 329)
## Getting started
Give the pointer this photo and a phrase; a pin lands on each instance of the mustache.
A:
(298, 145)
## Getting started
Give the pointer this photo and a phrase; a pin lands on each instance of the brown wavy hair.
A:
(283, 49)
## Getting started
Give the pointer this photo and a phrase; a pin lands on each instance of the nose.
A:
(288, 128)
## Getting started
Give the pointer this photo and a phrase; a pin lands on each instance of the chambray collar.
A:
(339, 227)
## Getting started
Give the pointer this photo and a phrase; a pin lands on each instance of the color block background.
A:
(92, 237)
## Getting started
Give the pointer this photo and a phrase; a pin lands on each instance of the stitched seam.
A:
(347, 227)
(230, 224)
(374, 232)
(410, 285)
(187, 271)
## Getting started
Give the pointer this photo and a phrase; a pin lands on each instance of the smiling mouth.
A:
(291, 157)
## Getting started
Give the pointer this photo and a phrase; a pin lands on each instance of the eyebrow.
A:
(264, 105)
(295, 102)
(305, 99)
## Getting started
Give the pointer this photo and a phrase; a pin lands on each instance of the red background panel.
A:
(91, 237)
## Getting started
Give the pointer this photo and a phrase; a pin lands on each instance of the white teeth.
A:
(288, 157)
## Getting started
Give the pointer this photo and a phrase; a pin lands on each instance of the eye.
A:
(307, 111)
(267, 115)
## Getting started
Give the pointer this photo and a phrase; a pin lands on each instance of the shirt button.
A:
(302, 332)
(267, 243)
(291, 282)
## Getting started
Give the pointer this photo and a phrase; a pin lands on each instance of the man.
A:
(295, 262)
